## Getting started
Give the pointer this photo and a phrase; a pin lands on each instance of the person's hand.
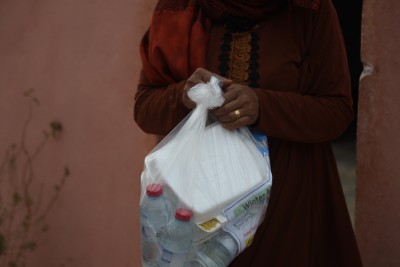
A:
(241, 107)
(200, 76)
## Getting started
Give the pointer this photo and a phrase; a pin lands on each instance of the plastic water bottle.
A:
(154, 217)
(176, 241)
(217, 252)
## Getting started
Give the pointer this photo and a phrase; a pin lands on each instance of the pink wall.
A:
(82, 59)
(378, 139)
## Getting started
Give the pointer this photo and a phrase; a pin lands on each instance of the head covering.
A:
(243, 9)
(176, 43)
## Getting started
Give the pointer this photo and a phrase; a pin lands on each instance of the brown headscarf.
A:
(243, 9)
(177, 40)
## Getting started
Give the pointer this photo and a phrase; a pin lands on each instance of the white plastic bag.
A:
(219, 174)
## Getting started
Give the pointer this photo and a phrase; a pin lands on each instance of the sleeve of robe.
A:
(320, 111)
(159, 109)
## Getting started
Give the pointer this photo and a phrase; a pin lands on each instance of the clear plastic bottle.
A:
(217, 252)
(176, 241)
(154, 217)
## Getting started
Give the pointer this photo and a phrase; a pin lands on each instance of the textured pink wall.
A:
(378, 140)
(82, 59)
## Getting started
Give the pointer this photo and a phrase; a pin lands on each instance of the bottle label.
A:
(169, 258)
(245, 215)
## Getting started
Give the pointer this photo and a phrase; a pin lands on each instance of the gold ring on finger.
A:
(237, 113)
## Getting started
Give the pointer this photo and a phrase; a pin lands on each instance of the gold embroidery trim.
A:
(239, 58)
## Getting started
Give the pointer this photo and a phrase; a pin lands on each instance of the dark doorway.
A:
(349, 13)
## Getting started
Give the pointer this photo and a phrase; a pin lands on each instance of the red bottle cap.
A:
(183, 215)
(154, 190)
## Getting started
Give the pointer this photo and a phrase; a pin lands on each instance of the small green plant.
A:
(24, 201)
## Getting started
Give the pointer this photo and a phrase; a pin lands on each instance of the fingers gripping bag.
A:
(205, 189)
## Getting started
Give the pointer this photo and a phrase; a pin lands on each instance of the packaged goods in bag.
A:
(207, 190)
(223, 176)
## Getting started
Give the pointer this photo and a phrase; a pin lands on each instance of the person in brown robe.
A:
(285, 74)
